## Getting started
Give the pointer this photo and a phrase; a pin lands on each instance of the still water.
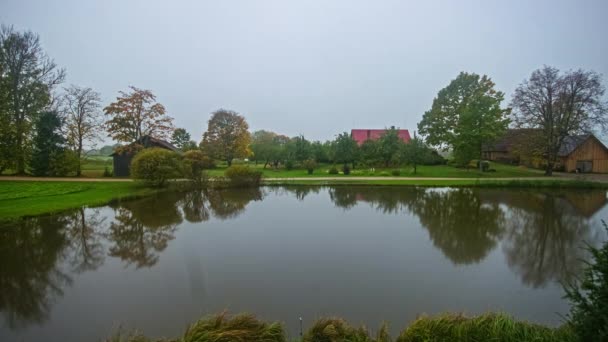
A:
(366, 254)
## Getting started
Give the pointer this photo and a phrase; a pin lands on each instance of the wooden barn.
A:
(579, 153)
(583, 153)
(122, 160)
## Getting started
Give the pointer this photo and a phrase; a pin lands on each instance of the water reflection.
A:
(460, 224)
(143, 228)
(30, 276)
(541, 231)
(87, 251)
(544, 240)
(39, 256)
(538, 232)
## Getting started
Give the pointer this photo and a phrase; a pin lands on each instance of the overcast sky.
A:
(309, 67)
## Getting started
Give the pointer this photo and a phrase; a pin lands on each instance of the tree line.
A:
(44, 127)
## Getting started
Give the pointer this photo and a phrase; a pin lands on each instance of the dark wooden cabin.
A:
(122, 160)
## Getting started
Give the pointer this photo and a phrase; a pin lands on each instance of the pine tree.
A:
(48, 144)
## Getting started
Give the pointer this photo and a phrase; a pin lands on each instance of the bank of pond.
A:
(446, 327)
(365, 253)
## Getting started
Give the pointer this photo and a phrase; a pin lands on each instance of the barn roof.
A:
(149, 141)
(360, 135)
(510, 138)
(572, 142)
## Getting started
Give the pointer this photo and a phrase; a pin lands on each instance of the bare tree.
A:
(83, 118)
(558, 105)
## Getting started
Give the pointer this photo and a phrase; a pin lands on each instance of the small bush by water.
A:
(240, 176)
(155, 166)
(195, 162)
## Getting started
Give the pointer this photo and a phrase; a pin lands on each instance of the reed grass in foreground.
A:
(447, 327)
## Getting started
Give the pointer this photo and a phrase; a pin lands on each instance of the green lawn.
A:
(502, 170)
(25, 198)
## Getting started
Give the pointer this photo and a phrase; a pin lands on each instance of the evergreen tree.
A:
(48, 144)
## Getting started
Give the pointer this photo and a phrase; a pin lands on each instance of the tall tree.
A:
(298, 149)
(560, 105)
(136, 114)
(389, 146)
(180, 138)
(227, 136)
(27, 81)
(83, 120)
(413, 152)
(344, 149)
(465, 115)
(48, 144)
(265, 146)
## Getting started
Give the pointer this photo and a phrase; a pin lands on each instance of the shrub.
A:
(195, 162)
(346, 169)
(333, 170)
(309, 165)
(589, 297)
(63, 163)
(240, 175)
(244, 327)
(155, 166)
(431, 157)
(396, 172)
(289, 164)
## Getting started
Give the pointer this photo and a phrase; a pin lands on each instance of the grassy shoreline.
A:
(21, 198)
(29, 198)
(445, 327)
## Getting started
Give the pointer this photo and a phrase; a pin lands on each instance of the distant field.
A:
(94, 166)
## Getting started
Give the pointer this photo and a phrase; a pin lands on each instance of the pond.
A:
(367, 254)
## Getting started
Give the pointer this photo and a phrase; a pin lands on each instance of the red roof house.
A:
(360, 135)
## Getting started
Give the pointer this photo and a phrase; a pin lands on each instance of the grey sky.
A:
(309, 67)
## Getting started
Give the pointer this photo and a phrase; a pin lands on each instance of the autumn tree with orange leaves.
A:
(136, 114)
(227, 136)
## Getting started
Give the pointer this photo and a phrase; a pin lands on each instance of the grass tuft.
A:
(239, 328)
(487, 327)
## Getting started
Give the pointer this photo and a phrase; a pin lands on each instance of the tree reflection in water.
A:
(541, 232)
(39, 255)
(545, 236)
(459, 224)
(30, 277)
(84, 231)
(142, 228)
(463, 227)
